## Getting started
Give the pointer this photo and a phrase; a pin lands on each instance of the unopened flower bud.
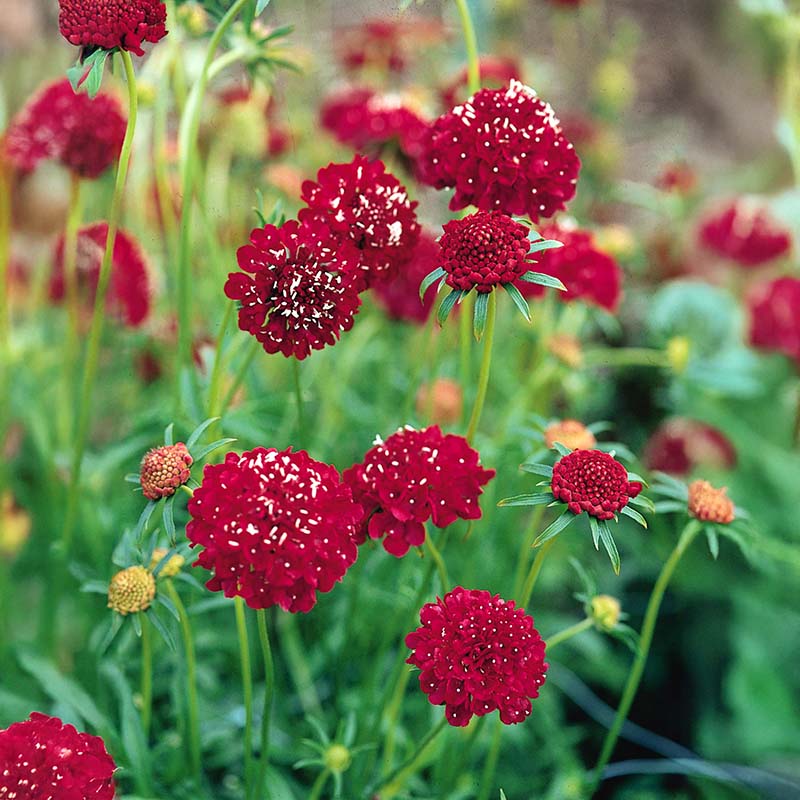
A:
(131, 590)
(605, 611)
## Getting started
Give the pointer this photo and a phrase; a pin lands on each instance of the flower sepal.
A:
(87, 72)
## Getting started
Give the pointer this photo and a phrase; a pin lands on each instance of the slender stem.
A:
(490, 767)
(70, 273)
(5, 317)
(298, 394)
(294, 652)
(568, 633)
(216, 370)
(407, 768)
(269, 693)
(319, 784)
(465, 341)
(533, 575)
(525, 548)
(190, 123)
(96, 330)
(238, 380)
(471, 44)
(247, 688)
(436, 555)
(392, 715)
(486, 364)
(637, 668)
(191, 680)
(147, 673)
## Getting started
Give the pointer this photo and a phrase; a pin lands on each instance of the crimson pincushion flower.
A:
(679, 445)
(414, 476)
(82, 133)
(297, 291)
(774, 309)
(164, 469)
(44, 759)
(364, 204)
(503, 150)
(130, 289)
(588, 273)
(275, 527)
(108, 24)
(743, 231)
(477, 653)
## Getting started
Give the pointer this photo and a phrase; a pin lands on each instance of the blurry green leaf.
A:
(634, 515)
(543, 280)
(430, 279)
(607, 539)
(261, 5)
(772, 7)
(446, 306)
(554, 528)
(210, 448)
(162, 628)
(480, 315)
(519, 301)
(195, 435)
(527, 500)
(713, 541)
(169, 519)
(537, 469)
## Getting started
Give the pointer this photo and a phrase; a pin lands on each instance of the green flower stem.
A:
(187, 140)
(791, 90)
(241, 374)
(525, 548)
(568, 633)
(319, 785)
(72, 340)
(269, 693)
(471, 44)
(490, 767)
(434, 553)
(691, 530)
(247, 689)
(465, 341)
(395, 779)
(533, 575)
(392, 716)
(191, 681)
(147, 673)
(294, 652)
(625, 357)
(84, 412)
(486, 364)
(5, 317)
(216, 371)
(298, 396)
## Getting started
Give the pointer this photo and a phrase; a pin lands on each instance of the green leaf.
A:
(608, 542)
(594, 527)
(210, 448)
(113, 630)
(446, 306)
(713, 541)
(169, 519)
(544, 244)
(634, 476)
(430, 279)
(195, 435)
(634, 515)
(187, 577)
(669, 507)
(543, 280)
(554, 528)
(261, 5)
(97, 587)
(519, 301)
(480, 314)
(144, 518)
(561, 449)
(537, 469)
(643, 502)
(169, 605)
(162, 629)
(133, 477)
(526, 500)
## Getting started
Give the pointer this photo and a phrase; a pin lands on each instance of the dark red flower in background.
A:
(376, 43)
(399, 295)
(775, 317)
(494, 71)
(44, 759)
(298, 289)
(679, 445)
(746, 233)
(363, 203)
(478, 653)
(82, 133)
(412, 477)
(112, 23)
(588, 273)
(130, 288)
(594, 482)
(276, 527)
(483, 250)
(503, 150)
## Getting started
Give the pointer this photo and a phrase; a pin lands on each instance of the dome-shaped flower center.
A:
(164, 469)
(131, 590)
(709, 504)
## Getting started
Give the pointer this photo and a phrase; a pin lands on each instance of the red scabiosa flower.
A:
(276, 527)
(130, 290)
(82, 133)
(44, 759)
(588, 273)
(164, 469)
(412, 477)
(679, 445)
(297, 291)
(363, 203)
(107, 24)
(399, 295)
(477, 653)
(744, 232)
(775, 317)
(503, 150)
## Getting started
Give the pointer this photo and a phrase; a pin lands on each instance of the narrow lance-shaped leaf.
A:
(545, 244)
(611, 548)
(634, 515)
(555, 527)
(594, 527)
(519, 301)
(169, 519)
(543, 280)
(195, 435)
(210, 448)
(430, 279)
(446, 306)
(527, 500)
(261, 5)
(537, 469)
(713, 541)
(563, 450)
(481, 312)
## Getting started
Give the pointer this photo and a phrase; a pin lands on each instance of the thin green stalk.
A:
(486, 364)
(216, 371)
(294, 652)
(319, 784)
(568, 633)
(147, 673)
(74, 212)
(533, 575)
(5, 317)
(84, 411)
(191, 681)
(298, 396)
(692, 528)
(525, 548)
(490, 767)
(247, 689)
(434, 553)
(392, 716)
(269, 693)
(465, 341)
(471, 44)
(238, 380)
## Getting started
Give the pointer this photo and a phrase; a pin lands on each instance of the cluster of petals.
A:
(362, 203)
(681, 444)
(275, 527)
(484, 250)
(414, 476)
(503, 150)
(594, 482)
(745, 232)
(130, 288)
(297, 289)
(44, 759)
(477, 653)
(588, 273)
(399, 295)
(107, 24)
(709, 504)
(774, 309)
(82, 133)
(164, 469)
